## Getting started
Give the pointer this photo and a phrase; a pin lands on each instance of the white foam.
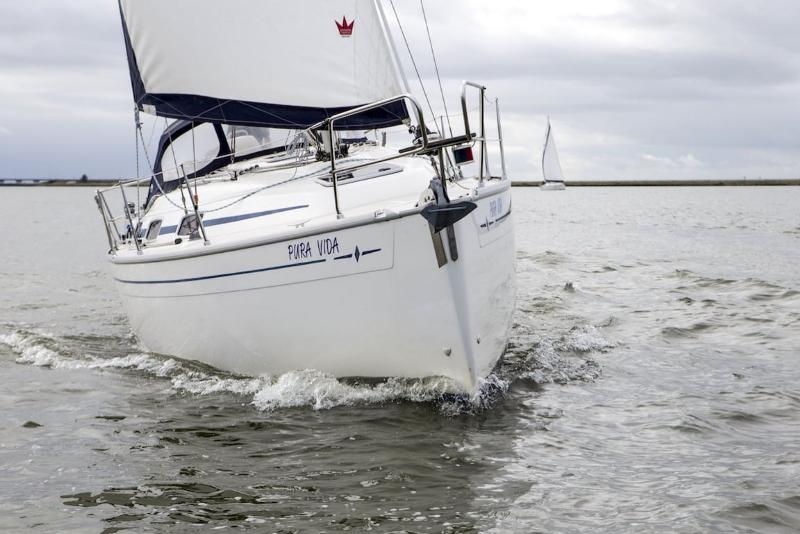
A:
(322, 391)
(294, 389)
(586, 338)
(546, 365)
(136, 362)
(32, 349)
(199, 383)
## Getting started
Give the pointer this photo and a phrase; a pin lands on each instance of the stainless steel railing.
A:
(328, 128)
(484, 159)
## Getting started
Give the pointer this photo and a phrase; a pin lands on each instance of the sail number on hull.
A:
(496, 207)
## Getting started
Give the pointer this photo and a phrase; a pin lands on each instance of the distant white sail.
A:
(262, 62)
(551, 166)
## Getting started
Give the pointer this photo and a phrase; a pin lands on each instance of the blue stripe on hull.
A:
(244, 217)
(488, 224)
(234, 218)
(224, 275)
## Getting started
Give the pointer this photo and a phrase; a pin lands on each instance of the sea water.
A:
(652, 384)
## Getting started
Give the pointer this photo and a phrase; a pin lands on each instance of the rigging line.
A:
(436, 65)
(194, 167)
(137, 129)
(152, 133)
(144, 146)
(136, 133)
(175, 161)
(139, 125)
(413, 62)
(144, 149)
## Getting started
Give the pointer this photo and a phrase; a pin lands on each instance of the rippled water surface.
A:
(652, 384)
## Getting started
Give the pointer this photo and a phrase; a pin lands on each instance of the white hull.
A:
(552, 186)
(313, 302)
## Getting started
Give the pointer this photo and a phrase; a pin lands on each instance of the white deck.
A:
(301, 191)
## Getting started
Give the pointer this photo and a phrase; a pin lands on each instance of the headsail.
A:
(551, 166)
(262, 62)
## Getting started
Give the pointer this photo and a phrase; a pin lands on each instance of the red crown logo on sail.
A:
(345, 29)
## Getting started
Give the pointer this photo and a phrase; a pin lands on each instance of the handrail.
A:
(500, 138)
(328, 124)
(133, 229)
(482, 138)
(99, 200)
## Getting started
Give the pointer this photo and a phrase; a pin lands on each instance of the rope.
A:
(436, 65)
(413, 62)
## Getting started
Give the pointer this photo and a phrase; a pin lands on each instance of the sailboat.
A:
(277, 228)
(551, 166)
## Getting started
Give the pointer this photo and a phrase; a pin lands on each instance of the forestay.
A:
(281, 64)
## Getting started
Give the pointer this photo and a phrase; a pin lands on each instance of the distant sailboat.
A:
(551, 166)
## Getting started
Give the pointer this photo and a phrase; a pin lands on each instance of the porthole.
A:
(153, 229)
(189, 226)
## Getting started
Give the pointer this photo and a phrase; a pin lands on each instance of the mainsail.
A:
(262, 62)
(551, 166)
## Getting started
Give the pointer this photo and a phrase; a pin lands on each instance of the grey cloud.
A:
(60, 35)
(543, 60)
(723, 89)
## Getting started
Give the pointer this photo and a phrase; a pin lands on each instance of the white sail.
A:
(551, 166)
(260, 62)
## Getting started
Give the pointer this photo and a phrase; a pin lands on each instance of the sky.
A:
(635, 89)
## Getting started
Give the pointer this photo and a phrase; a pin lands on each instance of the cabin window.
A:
(153, 229)
(189, 226)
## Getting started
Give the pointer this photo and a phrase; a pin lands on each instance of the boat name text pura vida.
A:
(303, 250)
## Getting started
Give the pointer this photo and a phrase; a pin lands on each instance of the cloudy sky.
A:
(634, 88)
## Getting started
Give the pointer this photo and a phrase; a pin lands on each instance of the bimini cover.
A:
(275, 63)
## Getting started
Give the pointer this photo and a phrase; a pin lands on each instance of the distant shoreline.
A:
(666, 183)
(516, 183)
(23, 182)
